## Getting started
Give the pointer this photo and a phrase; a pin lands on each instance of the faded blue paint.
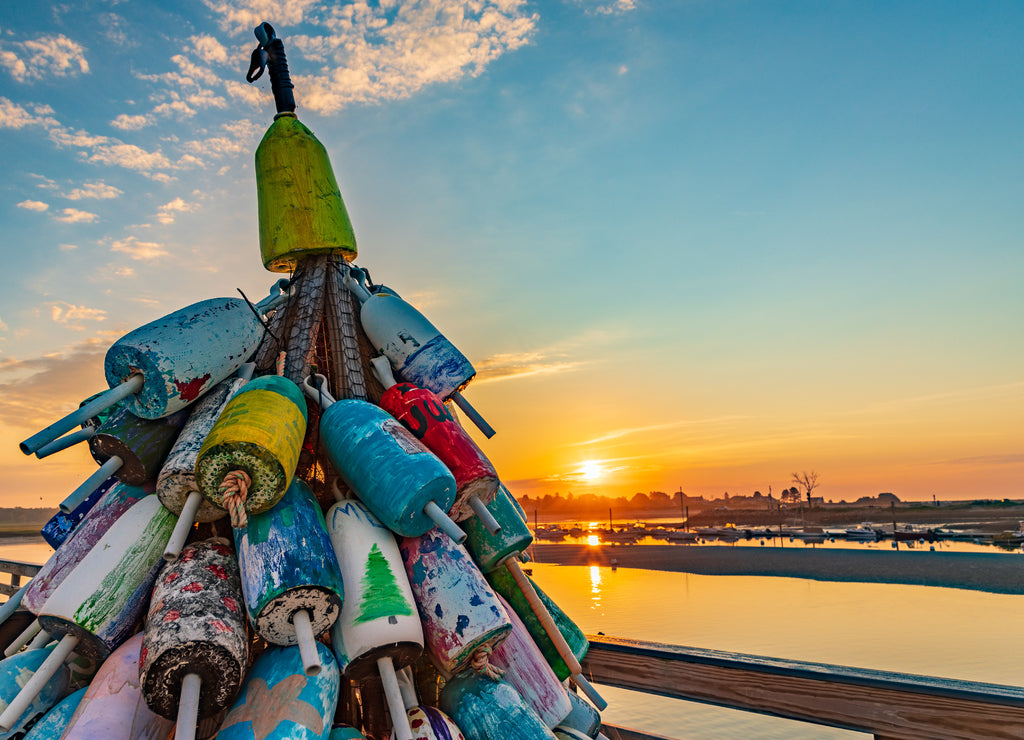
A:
(287, 562)
(279, 697)
(61, 525)
(459, 610)
(491, 550)
(183, 354)
(15, 672)
(485, 709)
(53, 723)
(387, 468)
(438, 366)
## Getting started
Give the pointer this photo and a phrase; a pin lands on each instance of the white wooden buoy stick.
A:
(542, 614)
(393, 694)
(444, 522)
(68, 440)
(589, 691)
(405, 685)
(91, 483)
(34, 685)
(11, 605)
(484, 515)
(41, 640)
(102, 402)
(188, 707)
(185, 521)
(307, 642)
(473, 414)
(23, 639)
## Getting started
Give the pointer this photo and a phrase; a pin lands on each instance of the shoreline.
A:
(995, 572)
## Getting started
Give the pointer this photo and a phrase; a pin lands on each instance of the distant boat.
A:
(861, 532)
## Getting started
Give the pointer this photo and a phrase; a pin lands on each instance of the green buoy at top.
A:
(301, 211)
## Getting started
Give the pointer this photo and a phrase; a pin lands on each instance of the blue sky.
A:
(701, 244)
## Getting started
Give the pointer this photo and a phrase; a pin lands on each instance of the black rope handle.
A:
(269, 54)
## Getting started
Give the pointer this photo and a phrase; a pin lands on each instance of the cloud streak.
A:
(507, 366)
(46, 56)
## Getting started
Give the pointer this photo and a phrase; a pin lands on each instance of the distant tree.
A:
(790, 495)
(659, 499)
(809, 481)
(639, 501)
(757, 494)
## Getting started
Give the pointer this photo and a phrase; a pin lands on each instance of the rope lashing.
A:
(481, 663)
(234, 488)
(281, 357)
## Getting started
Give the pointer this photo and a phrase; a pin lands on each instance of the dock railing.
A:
(882, 703)
(15, 570)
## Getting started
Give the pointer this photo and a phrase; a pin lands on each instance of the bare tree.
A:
(809, 481)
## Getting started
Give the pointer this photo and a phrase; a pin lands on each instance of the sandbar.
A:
(995, 572)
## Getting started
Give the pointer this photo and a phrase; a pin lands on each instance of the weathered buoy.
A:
(258, 436)
(164, 366)
(15, 672)
(117, 500)
(113, 705)
(54, 722)
(129, 448)
(525, 668)
(462, 618)
(60, 526)
(176, 485)
(378, 630)
(506, 584)
(485, 708)
(299, 203)
(95, 607)
(195, 651)
(429, 420)
(494, 552)
(280, 702)
(419, 352)
(389, 470)
(290, 577)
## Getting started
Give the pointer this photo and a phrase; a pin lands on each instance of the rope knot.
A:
(481, 663)
(234, 488)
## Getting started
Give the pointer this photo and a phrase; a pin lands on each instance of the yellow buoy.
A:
(301, 211)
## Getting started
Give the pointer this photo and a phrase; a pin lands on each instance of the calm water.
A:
(911, 629)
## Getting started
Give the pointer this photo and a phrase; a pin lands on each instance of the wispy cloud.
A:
(387, 51)
(75, 216)
(139, 250)
(615, 7)
(510, 365)
(1007, 459)
(13, 115)
(45, 56)
(169, 211)
(33, 205)
(127, 122)
(35, 391)
(629, 431)
(94, 190)
(68, 314)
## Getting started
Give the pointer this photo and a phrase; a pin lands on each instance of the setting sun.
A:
(591, 471)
